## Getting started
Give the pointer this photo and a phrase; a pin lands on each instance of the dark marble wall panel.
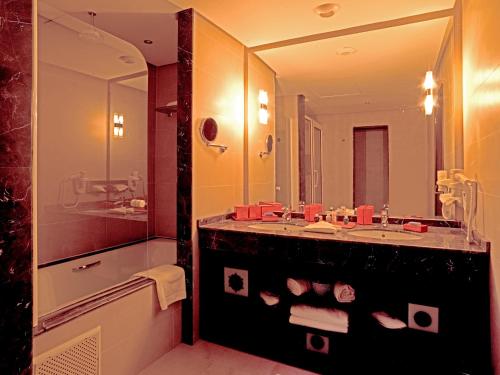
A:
(151, 148)
(185, 165)
(15, 186)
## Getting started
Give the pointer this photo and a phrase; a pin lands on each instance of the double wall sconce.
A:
(263, 112)
(117, 125)
(429, 98)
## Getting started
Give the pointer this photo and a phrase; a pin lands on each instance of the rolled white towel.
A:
(387, 321)
(342, 328)
(269, 298)
(344, 293)
(298, 287)
(321, 289)
(321, 314)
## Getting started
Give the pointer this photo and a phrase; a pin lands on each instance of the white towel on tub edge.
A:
(170, 283)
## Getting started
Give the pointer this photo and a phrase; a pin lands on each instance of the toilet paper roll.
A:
(298, 287)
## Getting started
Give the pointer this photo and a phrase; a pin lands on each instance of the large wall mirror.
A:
(350, 121)
(106, 71)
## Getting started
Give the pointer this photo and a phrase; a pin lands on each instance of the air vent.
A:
(79, 356)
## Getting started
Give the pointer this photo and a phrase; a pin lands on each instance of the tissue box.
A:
(365, 215)
(415, 227)
(368, 216)
(275, 205)
(311, 210)
(241, 212)
(255, 212)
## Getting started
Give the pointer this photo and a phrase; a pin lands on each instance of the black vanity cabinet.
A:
(445, 291)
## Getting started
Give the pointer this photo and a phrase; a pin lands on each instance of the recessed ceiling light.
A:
(148, 41)
(326, 10)
(128, 59)
(346, 51)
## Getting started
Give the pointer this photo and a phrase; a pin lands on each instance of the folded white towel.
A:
(321, 227)
(269, 298)
(321, 314)
(387, 321)
(298, 287)
(342, 328)
(170, 283)
(344, 293)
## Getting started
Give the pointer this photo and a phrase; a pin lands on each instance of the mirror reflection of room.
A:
(351, 123)
(107, 122)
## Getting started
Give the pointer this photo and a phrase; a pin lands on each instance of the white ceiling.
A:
(60, 45)
(256, 22)
(133, 21)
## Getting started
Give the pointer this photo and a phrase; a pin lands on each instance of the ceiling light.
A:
(128, 59)
(346, 51)
(326, 10)
(148, 41)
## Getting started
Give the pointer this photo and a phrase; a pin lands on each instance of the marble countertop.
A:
(442, 238)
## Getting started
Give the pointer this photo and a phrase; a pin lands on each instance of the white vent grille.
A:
(79, 356)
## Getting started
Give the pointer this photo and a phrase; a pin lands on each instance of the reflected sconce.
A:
(117, 125)
(263, 112)
(429, 98)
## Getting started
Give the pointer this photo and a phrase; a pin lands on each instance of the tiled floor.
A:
(209, 359)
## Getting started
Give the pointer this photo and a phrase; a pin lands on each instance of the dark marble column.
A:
(15, 187)
(185, 165)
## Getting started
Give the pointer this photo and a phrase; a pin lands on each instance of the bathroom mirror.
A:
(350, 124)
(269, 143)
(208, 130)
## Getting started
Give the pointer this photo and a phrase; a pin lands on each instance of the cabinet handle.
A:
(86, 266)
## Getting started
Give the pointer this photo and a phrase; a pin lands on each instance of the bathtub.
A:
(98, 292)
(63, 284)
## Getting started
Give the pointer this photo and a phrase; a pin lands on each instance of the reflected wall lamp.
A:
(429, 98)
(118, 125)
(263, 112)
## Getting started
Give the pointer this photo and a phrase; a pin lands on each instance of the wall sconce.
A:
(263, 112)
(117, 125)
(429, 98)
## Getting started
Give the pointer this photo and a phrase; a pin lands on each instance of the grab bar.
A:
(86, 266)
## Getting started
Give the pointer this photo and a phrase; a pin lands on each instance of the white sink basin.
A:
(384, 234)
(277, 226)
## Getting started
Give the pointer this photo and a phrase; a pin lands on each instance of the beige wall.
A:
(410, 182)
(261, 171)
(218, 84)
(129, 153)
(72, 121)
(218, 92)
(481, 63)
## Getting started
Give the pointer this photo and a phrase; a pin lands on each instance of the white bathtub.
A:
(62, 284)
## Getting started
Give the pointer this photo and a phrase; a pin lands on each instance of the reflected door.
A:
(317, 165)
(371, 166)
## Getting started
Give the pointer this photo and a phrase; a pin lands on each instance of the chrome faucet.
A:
(287, 214)
(384, 215)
